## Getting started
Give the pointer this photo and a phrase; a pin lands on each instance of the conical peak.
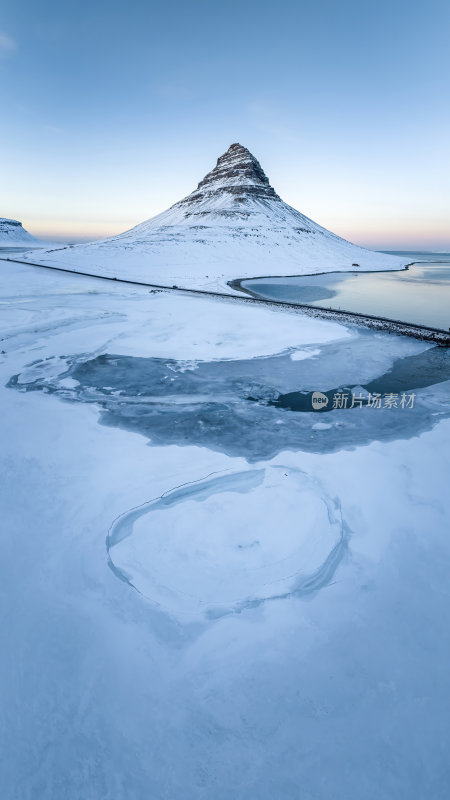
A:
(236, 147)
(237, 171)
(239, 152)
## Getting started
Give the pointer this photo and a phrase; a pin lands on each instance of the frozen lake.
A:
(209, 588)
(420, 294)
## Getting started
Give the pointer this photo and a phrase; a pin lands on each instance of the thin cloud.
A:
(7, 45)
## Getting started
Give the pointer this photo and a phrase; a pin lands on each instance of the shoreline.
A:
(398, 327)
(402, 328)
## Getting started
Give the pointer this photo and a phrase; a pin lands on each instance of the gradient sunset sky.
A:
(112, 111)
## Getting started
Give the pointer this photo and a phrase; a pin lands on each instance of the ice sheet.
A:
(337, 691)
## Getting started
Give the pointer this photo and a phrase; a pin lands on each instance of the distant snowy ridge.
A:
(234, 225)
(13, 234)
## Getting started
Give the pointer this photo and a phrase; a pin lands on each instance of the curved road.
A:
(398, 327)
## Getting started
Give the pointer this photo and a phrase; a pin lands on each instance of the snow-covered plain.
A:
(193, 604)
(233, 225)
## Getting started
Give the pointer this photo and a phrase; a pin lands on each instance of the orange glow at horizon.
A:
(384, 235)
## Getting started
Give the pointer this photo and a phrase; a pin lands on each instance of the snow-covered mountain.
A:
(233, 225)
(13, 234)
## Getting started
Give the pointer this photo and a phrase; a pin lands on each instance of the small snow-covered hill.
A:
(12, 234)
(233, 225)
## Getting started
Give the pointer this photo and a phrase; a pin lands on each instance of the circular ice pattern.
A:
(229, 541)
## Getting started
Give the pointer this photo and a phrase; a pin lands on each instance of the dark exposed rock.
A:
(9, 223)
(237, 172)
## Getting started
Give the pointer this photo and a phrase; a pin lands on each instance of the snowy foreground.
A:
(205, 592)
(233, 225)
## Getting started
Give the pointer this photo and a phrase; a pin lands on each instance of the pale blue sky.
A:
(112, 111)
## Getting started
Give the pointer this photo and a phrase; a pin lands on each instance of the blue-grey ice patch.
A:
(256, 408)
(233, 540)
(46, 371)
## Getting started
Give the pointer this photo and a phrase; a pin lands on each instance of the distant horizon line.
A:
(382, 248)
(371, 240)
